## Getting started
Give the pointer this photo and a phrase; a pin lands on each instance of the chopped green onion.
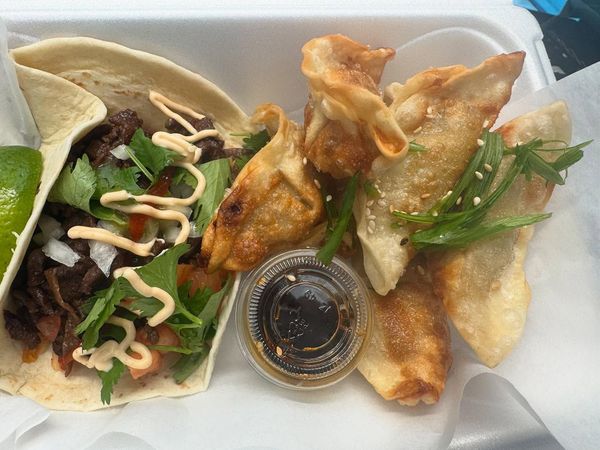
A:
(326, 253)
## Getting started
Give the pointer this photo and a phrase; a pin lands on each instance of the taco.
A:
(113, 303)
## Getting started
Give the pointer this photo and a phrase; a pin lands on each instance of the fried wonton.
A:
(444, 110)
(483, 286)
(409, 355)
(273, 203)
(348, 126)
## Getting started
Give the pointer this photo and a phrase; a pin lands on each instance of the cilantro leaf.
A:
(104, 305)
(162, 270)
(253, 142)
(109, 379)
(75, 185)
(81, 185)
(187, 364)
(256, 141)
(217, 175)
(152, 158)
(112, 178)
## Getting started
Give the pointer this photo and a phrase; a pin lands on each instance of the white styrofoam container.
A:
(253, 54)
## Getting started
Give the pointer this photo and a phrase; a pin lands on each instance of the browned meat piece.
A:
(91, 279)
(21, 329)
(120, 130)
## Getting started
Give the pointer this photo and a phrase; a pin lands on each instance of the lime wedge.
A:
(20, 172)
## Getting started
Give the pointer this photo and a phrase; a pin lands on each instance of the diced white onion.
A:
(60, 252)
(110, 226)
(171, 232)
(120, 152)
(103, 255)
(194, 232)
(50, 228)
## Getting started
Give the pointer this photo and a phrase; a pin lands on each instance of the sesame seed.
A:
(429, 116)
(486, 123)
(480, 142)
(429, 110)
(487, 167)
(371, 224)
(317, 184)
(376, 186)
(291, 277)
(479, 175)
(371, 217)
(381, 203)
(382, 194)
(476, 201)
(414, 213)
(434, 214)
(370, 230)
(392, 210)
(458, 201)
(420, 269)
(424, 196)
(278, 351)
(304, 161)
(328, 198)
(418, 130)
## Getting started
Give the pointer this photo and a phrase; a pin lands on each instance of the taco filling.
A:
(113, 280)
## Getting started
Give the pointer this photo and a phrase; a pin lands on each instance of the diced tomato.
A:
(160, 188)
(49, 327)
(136, 226)
(154, 367)
(199, 277)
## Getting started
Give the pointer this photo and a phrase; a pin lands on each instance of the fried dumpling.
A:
(409, 355)
(483, 286)
(273, 203)
(443, 110)
(348, 126)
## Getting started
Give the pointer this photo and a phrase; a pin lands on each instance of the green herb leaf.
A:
(253, 142)
(217, 174)
(460, 237)
(105, 302)
(535, 163)
(150, 158)
(75, 185)
(112, 178)
(110, 379)
(188, 364)
(326, 253)
(256, 141)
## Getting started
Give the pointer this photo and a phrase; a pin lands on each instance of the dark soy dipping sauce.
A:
(303, 317)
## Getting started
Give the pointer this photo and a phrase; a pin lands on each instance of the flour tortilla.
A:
(120, 78)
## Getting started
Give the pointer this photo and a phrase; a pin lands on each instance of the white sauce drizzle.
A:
(101, 358)
(148, 291)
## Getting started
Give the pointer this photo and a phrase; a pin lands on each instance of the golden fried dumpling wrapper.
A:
(273, 203)
(444, 110)
(409, 354)
(483, 286)
(348, 126)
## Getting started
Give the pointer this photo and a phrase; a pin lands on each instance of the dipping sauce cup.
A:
(302, 324)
